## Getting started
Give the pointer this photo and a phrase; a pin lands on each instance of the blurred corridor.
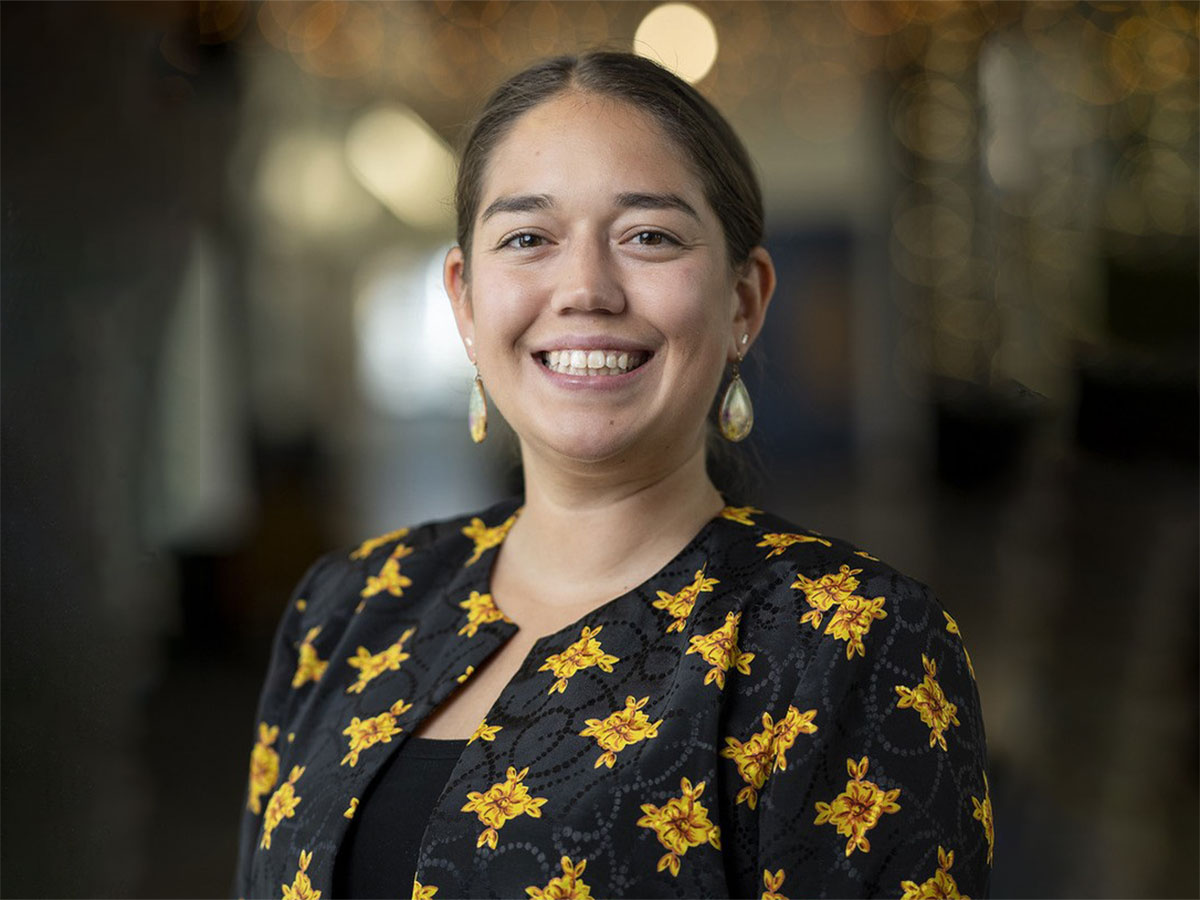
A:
(225, 350)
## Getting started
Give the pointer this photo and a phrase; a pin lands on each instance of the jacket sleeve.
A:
(887, 796)
(270, 728)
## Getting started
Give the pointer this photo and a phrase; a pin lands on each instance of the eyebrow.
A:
(518, 203)
(630, 200)
(656, 201)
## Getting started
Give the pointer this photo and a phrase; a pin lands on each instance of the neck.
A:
(605, 537)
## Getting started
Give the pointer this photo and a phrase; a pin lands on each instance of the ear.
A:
(753, 290)
(455, 281)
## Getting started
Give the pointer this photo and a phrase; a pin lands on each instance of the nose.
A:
(589, 280)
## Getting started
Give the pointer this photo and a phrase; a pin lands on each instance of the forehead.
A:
(578, 144)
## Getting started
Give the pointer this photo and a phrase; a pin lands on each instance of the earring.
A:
(477, 411)
(736, 415)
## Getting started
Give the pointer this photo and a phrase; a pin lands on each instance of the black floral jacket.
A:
(774, 714)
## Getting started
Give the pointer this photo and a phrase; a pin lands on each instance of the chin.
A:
(589, 443)
(582, 440)
(592, 448)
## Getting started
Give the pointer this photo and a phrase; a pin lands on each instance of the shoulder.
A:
(812, 598)
(403, 563)
(767, 550)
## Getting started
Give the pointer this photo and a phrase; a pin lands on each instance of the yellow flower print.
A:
(772, 885)
(301, 605)
(827, 591)
(853, 620)
(940, 887)
(582, 654)
(366, 548)
(928, 699)
(787, 729)
(309, 667)
(371, 666)
(853, 615)
(484, 732)
(423, 891)
(681, 823)
(983, 812)
(481, 609)
(739, 514)
(282, 805)
(301, 887)
(858, 808)
(380, 729)
(389, 578)
(264, 766)
(567, 886)
(486, 538)
(720, 650)
(780, 542)
(617, 731)
(765, 751)
(680, 603)
(754, 758)
(865, 555)
(952, 627)
(467, 673)
(351, 809)
(504, 800)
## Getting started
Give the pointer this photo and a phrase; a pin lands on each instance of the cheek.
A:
(502, 311)
(697, 315)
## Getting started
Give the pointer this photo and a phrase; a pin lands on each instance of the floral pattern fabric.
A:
(774, 713)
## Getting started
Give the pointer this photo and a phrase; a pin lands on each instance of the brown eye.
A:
(524, 241)
(650, 238)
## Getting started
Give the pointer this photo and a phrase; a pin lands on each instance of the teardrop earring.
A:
(736, 414)
(477, 411)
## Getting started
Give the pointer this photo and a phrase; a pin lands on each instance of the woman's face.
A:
(601, 308)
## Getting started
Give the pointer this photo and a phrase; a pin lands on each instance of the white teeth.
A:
(592, 362)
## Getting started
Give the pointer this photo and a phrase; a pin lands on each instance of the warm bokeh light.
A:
(403, 162)
(680, 37)
(304, 186)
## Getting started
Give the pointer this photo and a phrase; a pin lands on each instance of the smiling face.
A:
(601, 307)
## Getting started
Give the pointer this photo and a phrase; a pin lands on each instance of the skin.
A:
(614, 467)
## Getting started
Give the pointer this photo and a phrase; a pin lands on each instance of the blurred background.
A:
(225, 350)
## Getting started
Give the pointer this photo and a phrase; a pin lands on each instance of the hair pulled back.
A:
(717, 155)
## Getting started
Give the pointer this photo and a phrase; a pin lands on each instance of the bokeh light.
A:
(404, 164)
(304, 186)
(680, 37)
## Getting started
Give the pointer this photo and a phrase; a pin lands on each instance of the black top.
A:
(378, 857)
(774, 712)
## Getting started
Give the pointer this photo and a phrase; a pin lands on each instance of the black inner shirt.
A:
(378, 857)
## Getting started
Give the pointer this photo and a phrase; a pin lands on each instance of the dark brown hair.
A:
(717, 155)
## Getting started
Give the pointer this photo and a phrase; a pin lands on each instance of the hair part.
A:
(707, 141)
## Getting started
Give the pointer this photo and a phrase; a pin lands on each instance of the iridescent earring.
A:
(477, 408)
(736, 415)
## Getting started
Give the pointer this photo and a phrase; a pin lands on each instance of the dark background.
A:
(218, 361)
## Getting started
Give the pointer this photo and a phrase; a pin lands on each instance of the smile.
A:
(593, 362)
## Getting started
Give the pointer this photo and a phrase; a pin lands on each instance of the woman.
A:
(620, 685)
